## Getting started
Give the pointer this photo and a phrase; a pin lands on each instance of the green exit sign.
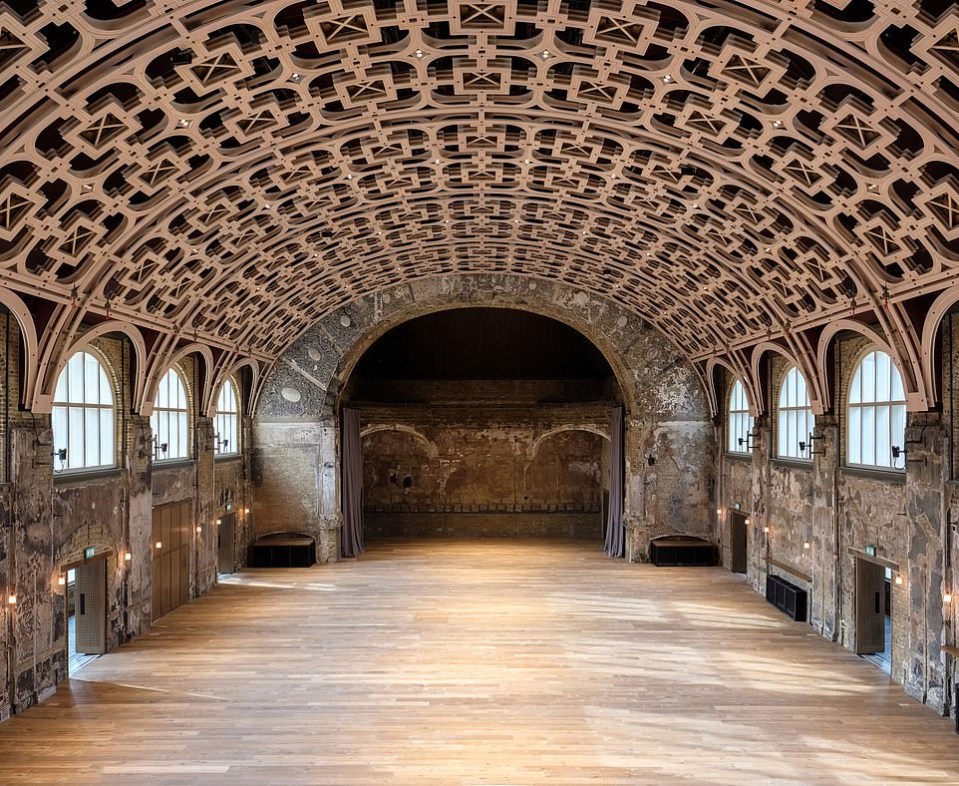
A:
(871, 551)
(88, 553)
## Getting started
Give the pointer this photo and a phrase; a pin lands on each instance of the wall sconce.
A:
(199, 529)
(246, 511)
(219, 522)
(749, 442)
(903, 452)
(805, 545)
(898, 580)
(748, 522)
(221, 444)
(765, 530)
(159, 545)
(804, 445)
(947, 598)
(61, 580)
(128, 557)
(12, 599)
(650, 459)
(61, 456)
(158, 447)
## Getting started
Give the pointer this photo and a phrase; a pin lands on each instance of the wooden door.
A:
(870, 607)
(226, 542)
(91, 608)
(173, 530)
(738, 543)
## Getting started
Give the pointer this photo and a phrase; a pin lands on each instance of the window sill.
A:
(172, 464)
(71, 477)
(227, 459)
(887, 475)
(742, 457)
(786, 463)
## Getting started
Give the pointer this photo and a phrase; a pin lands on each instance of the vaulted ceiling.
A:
(236, 170)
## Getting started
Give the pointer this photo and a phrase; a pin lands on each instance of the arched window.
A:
(171, 418)
(740, 422)
(795, 420)
(227, 421)
(83, 415)
(877, 412)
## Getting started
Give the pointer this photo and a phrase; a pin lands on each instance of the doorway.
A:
(738, 542)
(86, 610)
(172, 542)
(226, 543)
(873, 617)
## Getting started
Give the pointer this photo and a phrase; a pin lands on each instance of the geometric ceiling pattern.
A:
(236, 170)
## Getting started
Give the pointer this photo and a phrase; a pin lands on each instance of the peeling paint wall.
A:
(811, 522)
(48, 519)
(522, 472)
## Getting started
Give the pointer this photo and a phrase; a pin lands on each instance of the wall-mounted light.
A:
(748, 521)
(246, 511)
(804, 445)
(12, 599)
(650, 459)
(898, 580)
(748, 442)
(806, 545)
(219, 522)
(62, 580)
(159, 545)
(765, 530)
(61, 456)
(128, 557)
(947, 598)
(199, 529)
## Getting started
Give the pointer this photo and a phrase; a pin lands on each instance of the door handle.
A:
(877, 603)
(83, 603)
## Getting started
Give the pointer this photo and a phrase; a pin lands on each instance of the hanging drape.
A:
(615, 541)
(351, 483)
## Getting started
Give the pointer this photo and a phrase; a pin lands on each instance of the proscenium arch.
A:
(352, 358)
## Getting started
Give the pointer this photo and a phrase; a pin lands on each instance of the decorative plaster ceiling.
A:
(236, 170)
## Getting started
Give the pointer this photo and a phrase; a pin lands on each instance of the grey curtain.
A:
(351, 484)
(615, 541)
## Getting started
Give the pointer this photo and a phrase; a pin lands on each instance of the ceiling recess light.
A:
(295, 77)
(183, 123)
(545, 54)
(667, 79)
(418, 54)
(778, 124)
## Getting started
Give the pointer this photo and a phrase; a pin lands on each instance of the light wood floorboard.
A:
(477, 662)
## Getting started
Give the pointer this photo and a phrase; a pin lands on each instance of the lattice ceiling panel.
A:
(237, 170)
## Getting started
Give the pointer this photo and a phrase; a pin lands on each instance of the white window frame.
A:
(739, 423)
(226, 421)
(875, 413)
(794, 419)
(170, 420)
(84, 415)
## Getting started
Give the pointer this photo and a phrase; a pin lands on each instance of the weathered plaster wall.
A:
(295, 460)
(534, 469)
(49, 518)
(821, 516)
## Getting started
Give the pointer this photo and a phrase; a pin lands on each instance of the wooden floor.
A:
(469, 663)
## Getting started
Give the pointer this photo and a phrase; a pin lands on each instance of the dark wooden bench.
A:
(284, 550)
(685, 550)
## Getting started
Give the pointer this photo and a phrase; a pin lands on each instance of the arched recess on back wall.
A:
(916, 400)
(43, 399)
(28, 332)
(431, 450)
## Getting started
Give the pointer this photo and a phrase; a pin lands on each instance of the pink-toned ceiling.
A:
(234, 171)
